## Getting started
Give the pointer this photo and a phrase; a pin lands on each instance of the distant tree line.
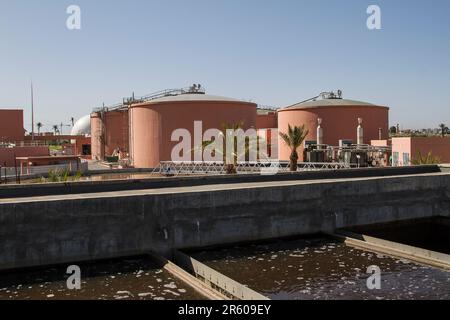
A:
(396, 132)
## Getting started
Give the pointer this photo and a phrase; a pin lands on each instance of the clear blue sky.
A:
(272, 52)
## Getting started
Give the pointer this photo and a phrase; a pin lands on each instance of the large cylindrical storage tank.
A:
(152, 123)
(339, 121)
(97, 149)
(109, 133)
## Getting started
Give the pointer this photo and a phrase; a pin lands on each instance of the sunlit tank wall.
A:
(96, 136)
(338, 123)
(153, 123)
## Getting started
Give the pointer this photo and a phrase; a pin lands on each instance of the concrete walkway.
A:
(205, 188)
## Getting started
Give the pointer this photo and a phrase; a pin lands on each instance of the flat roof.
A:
(49, 158)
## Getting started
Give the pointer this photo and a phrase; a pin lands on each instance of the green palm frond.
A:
(295, 136)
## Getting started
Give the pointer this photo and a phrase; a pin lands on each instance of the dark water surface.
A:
(321, 268)
(428, 233)
(134, 278)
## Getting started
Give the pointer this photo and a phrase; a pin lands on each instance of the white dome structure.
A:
(82, 127)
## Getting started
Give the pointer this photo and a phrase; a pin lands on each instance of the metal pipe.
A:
(319, 133)
(360, 133)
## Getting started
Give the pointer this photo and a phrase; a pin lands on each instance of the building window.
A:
(86, 150)
(406, 159)
(395, 158)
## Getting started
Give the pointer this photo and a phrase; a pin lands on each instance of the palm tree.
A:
(55, 129)
(294, 139)
(230, 167)
(39, 126)
(444, 129)
(393, 130)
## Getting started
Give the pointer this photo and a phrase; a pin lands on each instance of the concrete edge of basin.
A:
(216, 280)
(188, 279)
(394, 249)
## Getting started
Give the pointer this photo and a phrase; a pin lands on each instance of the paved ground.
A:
(205, 188)
(96, 165)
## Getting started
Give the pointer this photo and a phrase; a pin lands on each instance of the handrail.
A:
(220, 168)
(127, 101)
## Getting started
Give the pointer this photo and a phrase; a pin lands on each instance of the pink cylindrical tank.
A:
(116, 131)
(152, 123)
(97, 149)
(339, 121)
(109, 133)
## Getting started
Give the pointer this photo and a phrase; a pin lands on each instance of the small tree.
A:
(444, 129)
(55, 129)
(39, 126)
(294, 139)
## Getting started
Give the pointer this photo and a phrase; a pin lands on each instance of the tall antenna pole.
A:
(32, 112)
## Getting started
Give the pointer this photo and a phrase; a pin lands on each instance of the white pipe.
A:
(360, 133)
(319, 133)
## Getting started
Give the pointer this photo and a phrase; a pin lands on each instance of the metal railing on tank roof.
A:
(126, 102)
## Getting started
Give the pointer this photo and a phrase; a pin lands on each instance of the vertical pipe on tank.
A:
(103, 133)
(360, 133)
(319, 133)
(130, 136)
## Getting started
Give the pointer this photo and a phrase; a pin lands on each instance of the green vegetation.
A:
(62, 175)
(428, 159)
(294, 139)
(55, 147)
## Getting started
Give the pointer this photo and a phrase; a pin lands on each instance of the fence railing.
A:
(219, 168)
(19, 144)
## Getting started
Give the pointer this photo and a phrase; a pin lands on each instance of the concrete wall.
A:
(7, 154)
(81, 187)
(380, 143)
(438, 146)
(92, 227)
